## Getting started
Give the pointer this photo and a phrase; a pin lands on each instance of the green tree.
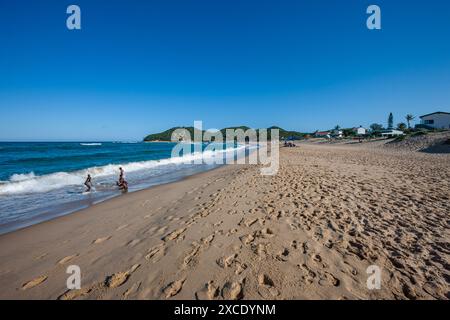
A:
(401, 126)
(348, 132)
(391, 121)
(409, 118)
(376, 127)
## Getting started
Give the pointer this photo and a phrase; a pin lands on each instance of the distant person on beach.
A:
(121, 174)
(122, 183)
(88, 183)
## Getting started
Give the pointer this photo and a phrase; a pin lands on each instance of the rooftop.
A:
(430, 114)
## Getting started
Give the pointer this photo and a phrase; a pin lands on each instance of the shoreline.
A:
(309, 232)
(76, 206)
(53, 210)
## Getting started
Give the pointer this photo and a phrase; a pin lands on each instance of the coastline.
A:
(26, 198)
(91, 200)
(309, 232)
(85, 205)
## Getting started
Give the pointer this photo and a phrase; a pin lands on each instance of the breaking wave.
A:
(30, 183)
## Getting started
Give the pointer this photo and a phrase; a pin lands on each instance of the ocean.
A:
(42, 180)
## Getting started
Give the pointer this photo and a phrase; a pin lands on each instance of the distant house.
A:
(360, 131)
(436, 120)
(322, 134)
(391, 133)
(336, 133)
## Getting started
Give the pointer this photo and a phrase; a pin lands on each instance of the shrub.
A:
(400, 138)
(419, 133)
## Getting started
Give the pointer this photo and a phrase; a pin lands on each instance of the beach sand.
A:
(309, 232)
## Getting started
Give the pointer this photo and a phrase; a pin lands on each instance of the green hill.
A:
(166, 135)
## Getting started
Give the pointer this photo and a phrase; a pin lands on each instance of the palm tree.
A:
(409, 118)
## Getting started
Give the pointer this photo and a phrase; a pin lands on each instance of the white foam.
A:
(22, 177)
(91, 144)
(30, 183)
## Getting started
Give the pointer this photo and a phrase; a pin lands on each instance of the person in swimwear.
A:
(122, 183)
(88, 183)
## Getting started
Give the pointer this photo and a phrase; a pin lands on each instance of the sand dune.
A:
(310, 232)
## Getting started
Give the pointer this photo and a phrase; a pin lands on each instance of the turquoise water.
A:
(42, 180)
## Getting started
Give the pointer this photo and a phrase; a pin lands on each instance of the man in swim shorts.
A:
(88, 183)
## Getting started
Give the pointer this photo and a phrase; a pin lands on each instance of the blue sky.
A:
(138, 67)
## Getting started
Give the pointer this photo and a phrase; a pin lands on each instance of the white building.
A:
(360, 131)
(391, 133)
(436, 120)
(336, 133)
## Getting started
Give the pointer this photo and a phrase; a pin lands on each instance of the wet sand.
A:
(309, 232)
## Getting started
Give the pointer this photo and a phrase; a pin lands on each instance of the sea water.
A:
(43, 180)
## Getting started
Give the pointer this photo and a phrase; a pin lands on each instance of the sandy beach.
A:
(309, 232)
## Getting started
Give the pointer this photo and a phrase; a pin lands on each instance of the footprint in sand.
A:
(133, 242)
(248, 239)
(210, 292)
(294, 244)
(33, 283)
(133, 290)
(41, 256)
(309, 275)
(240, 267)
(100, 240)
(155, 252)
(226, 262)
(305, 247)
(283, 254)
(232, 291)
(122, 227)
(207, 241)
(191, 255)
(67, 259)
(261, 250)
(248, 223)
(267, 287)
(332, 279)
(174, 288)
(267, 233)
(74, 294)
(217, 223)
(118, 279)
(231, 231)
(174, 234)
(162, 230)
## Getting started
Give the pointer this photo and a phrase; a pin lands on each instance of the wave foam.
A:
(30, 183)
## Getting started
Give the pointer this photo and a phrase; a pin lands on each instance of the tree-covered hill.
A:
(166, 135)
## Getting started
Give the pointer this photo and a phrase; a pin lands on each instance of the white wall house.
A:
(337, 133)
(360, 131)
(437, 120)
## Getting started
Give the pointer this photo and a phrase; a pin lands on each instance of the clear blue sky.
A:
(138, 67)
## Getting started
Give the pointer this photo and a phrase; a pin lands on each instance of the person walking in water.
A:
(88, 183)
(122, 183)
(121, 175)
